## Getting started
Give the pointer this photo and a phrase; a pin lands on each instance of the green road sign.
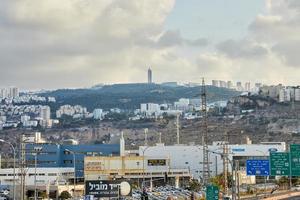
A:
(280, 165)
(212, 192)
(295, 159)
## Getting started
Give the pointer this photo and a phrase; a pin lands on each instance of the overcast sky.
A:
(78, 43)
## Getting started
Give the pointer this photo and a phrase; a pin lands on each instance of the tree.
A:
(42, 194)
(65, 195)
(195, 185)
(219, 180)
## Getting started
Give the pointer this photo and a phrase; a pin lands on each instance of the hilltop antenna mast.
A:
(205, 171)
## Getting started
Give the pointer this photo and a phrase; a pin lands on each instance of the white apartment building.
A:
(247, 87)
(98, 114)
(13, 92)
(150, 109)
(3, 93)
(76, 111)
(297, 94)
(284, 95)
(215, 83)
(182, 104)
(45, 113)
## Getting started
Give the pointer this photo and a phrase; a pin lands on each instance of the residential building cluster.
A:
(11, 116)
(11, 92)
(239, 85)
(79, 112)
(33, 99)
(184, 106)
(281, 93)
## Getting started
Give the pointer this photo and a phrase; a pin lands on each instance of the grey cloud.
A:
(198, 42)
(288, 51)
(241, 49)
(174, 38)
(170, 38)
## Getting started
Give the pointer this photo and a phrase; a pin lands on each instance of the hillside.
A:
(129, 96)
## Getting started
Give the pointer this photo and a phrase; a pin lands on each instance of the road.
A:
(293, 198)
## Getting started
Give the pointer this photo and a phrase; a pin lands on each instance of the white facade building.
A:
(191, 156)
(45, 113)
(284, 95)
(44, 176)
(13, 92)
(98, 114)
(297, 94)
(150, 109)
(182, 104)
(3, 93)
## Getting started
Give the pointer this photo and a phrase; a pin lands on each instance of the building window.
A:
(68, 161)
(186, 163)
(52, 174)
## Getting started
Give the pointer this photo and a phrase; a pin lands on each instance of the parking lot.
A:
(163, 192)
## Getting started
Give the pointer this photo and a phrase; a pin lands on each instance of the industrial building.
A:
(61, 155)
(53, 180)
(190, 157)
(139, 169)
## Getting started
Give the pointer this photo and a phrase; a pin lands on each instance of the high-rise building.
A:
(215, 83)
(222, 84)
(229, 84)
(297, 94)
(239, 86)
(284, 95)
(13, 92)
(247, 86)
(98, 113)
(45, 113)
(258, 85)
(3, 93)
(149, 75)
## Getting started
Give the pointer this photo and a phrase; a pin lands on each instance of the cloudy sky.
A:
(78, 43)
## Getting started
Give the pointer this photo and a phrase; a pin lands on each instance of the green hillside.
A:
(130, 96)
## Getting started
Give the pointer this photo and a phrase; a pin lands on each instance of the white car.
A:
(296, 188)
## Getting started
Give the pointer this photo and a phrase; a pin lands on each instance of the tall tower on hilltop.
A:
(149, 76)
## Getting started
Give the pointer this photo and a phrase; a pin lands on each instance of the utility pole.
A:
(146, 138)
(22, 166)
(237, 179)
(178, 127)
(225, 166)
(205, 171)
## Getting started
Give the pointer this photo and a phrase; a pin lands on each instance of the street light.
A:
(144, 165)
(14, 152)
(231, 164)
(74, 165)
